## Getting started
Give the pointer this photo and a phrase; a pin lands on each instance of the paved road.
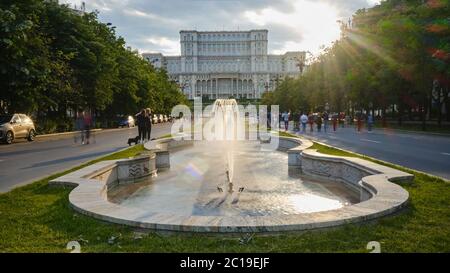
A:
(24, 162)
(427, 153)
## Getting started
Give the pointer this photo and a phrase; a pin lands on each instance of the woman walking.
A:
(319, 123)
(140, 118)
(148, 124)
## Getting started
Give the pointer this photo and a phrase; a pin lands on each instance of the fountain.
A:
(232, 185)
(227, 111)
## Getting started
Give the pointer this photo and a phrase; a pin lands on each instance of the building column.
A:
(232, 86)
(241, 81)
(210, 88)
(217, 89)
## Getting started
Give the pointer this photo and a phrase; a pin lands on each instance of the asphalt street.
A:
(24, 162)
(423, 152)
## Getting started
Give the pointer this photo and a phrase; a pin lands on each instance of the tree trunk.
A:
(423, 114)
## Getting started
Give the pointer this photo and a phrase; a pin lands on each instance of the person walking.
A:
(148, 124)
(369, 122)
(285, 117)
(325, 121)
(87, 126)
(140, 120)
(358, 122)
(319, 123)
(79, 126)
(311, 122)
(335, 121)
(295, 120)
(303, 121)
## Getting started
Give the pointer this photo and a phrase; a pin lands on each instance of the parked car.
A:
(154, 119)
(127, 122)
(166, 118)
(160, 118)
(16, 126)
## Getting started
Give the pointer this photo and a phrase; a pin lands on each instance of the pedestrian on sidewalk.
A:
(285, 118)
(319, 123)
(335, 118)
(347, 120)
(342, 119)
(311, 122)
(87, 126)
(369, 122)
(148, 124)
(79, 126)
(358, 122)
(325, 121)
(295, 120)
(303, 121)
(140, 120)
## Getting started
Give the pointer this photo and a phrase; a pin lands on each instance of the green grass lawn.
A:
(38, 218)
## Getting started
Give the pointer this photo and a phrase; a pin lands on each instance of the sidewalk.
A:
(78, 132)
(65, 133)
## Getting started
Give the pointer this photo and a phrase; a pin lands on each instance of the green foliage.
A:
(54, 61)
(391, 55)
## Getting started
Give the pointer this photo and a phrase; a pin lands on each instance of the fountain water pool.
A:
(190, 186)
(235, 186)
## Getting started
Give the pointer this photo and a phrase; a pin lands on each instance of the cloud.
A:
(154, 25)
(163, 44)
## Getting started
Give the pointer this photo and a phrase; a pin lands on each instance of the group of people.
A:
(83, 123)
(324, 120)
(321, 119)
(144, 124)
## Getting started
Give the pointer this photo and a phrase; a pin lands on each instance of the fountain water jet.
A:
(226, 111)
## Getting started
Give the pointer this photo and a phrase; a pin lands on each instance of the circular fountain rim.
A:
(89, 198)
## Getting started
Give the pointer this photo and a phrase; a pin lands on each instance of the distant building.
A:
(227, 64)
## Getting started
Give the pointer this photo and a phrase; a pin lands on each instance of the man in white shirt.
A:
(304, 121)
(285, 117)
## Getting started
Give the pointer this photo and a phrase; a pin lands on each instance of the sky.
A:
(294, 25)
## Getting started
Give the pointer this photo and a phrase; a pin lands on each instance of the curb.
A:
(77, 132)
(65, 133)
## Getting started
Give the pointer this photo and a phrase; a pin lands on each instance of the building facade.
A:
(227, 64)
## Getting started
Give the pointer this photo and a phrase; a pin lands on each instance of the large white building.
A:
(227, 64)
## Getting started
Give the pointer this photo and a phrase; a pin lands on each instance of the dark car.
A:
(127, 122)
(15, 126)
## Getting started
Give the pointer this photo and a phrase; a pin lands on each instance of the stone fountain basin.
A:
(382, 197)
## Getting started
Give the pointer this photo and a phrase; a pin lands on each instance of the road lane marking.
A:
(368, 140)
(441, 154)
